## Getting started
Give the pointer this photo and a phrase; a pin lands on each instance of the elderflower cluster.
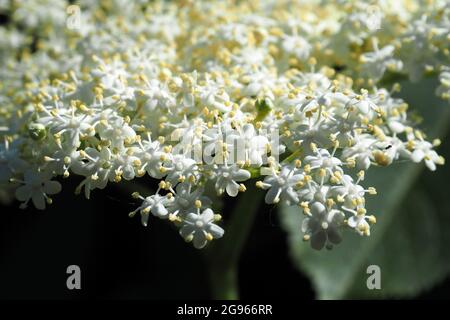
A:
(214, 95)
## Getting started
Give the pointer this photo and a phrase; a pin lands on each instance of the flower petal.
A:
(318, 240)
(232, 189)
(23, 193)
(216, 231)
(52, 187)
(38, 200)
(199, 240)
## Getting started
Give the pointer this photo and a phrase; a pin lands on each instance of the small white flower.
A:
(37, 186)
(155, 204)
(348, 192)
(282, 186)
(185, 199)
(377, 62)
(297, 46)
(200, 228)
(151, 155)
(423, 150)
(252, 145)
(322, 226)
(324, 160)
(181, 168)
(360, 224)
(227, 178)
(98, 170)
(361, 151)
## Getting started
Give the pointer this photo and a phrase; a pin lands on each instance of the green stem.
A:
(223, 281)
(223, 257)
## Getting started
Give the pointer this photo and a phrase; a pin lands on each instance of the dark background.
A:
(121, 259)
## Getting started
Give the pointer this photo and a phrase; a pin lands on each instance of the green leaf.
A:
(409, 242)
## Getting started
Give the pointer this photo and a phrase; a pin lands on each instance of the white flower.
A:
(155, 204)
(68, 123)
(348, 192)
(118, 133)
(151, 155)
(360, 224)
(185, 199)
(297, 46)
(180, 168)
(361, 151)
(321, 227)
(324, 160)
(364, 103)
(377, 62)
(252, 145)
(227, 177)
(200, 228)
(282, 186)
(423, 150)
(37, 186)
(99, 169)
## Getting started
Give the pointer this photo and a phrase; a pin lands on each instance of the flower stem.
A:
(223, 257)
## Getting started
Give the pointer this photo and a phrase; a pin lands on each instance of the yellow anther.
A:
(351, 162)
(381, 158)
(363, 227)
(297, 143)
(322, 172)
(436, 142)
(361, 174)
(162, 185)
(135, 195)
(361, 211)
(307, 168)
(305, 206)
(372, 190)
(209, 236)
(330, 202)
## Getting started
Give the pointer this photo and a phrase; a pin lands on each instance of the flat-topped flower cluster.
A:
(207, 95)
